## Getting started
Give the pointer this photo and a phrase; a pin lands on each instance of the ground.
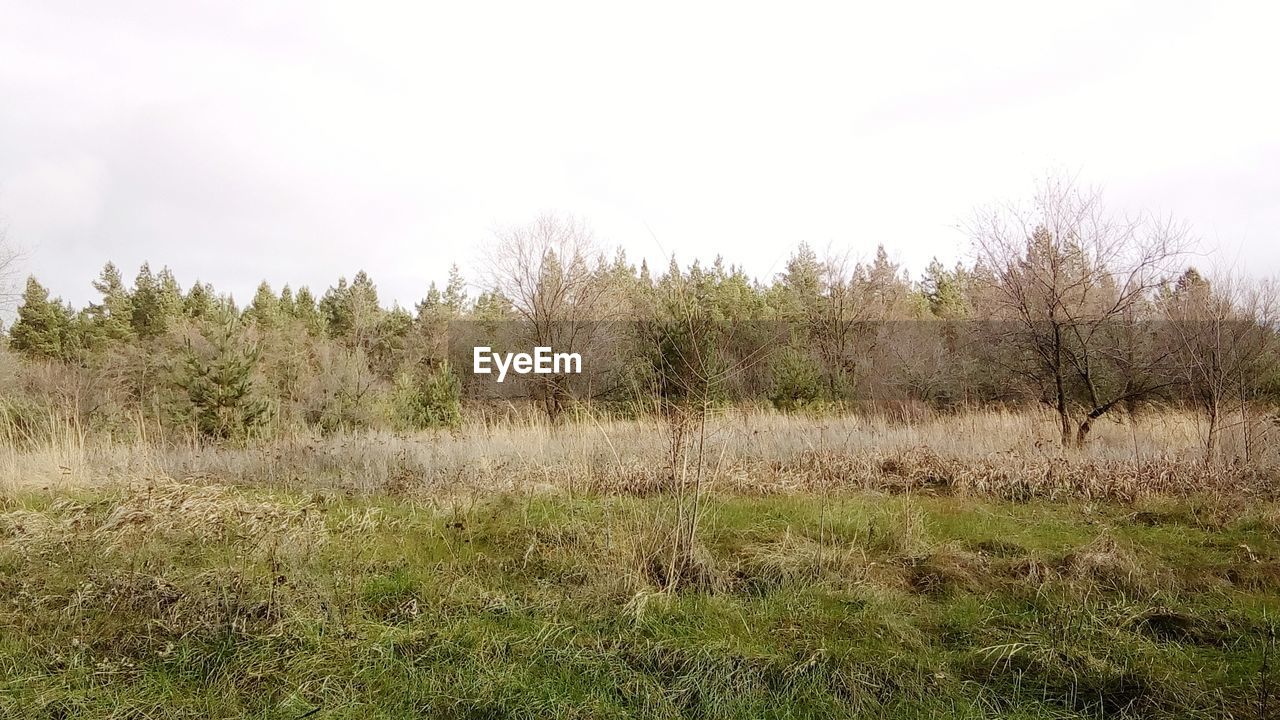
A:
(154, 598)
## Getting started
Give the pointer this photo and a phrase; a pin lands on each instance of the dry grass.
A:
(1011, 455)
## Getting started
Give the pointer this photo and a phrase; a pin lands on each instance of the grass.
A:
(207, 600)
(983, 452)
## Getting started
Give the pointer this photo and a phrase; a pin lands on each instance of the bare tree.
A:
(1224, 331)
(1067, 285)
(554, 275)
(846, 317)
(9, 259)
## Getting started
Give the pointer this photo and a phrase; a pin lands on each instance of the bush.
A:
(797, 382)
(431, 397)
(224, 404)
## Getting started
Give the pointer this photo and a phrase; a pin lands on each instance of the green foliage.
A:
(943, 292)
(427, 398)
(351, 311)
(265, 308)
(155, 300)
(224, 401)
(306, 311)
(111, 320)
(455, 291)
(199, 301)
(682, 351)
(797, 381)
(43, 326)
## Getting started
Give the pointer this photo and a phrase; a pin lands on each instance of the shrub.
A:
(797, 381)
(431, 397)
(224, 404)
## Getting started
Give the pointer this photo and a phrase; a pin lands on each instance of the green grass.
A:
(170, 603)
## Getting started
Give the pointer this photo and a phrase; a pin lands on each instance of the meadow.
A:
(956, 566)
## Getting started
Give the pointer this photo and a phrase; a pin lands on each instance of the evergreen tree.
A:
(455, 291)
(199, 301)
(112, 319)
(308, 313)
(149, 304)
(646, 278)
(800, 285)
(287, 308)
(351, 311)
(170, 294)
(942, 292)
(429, 307)
(42, 326)
(335, 309)
(265, 307)
(223, 398)
(428, 398)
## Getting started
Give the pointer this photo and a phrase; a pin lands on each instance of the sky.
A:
(300, 140)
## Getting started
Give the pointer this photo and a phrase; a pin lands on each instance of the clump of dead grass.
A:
(1105, 562)
(173, 512)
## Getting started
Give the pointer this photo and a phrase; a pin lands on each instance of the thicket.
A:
(1061, 305)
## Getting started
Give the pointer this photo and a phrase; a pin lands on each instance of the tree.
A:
(224, 401)
(112, 319)
(154, 301)
(455, 291)
(9, 259)
(287, 307)
(42, 326)
(1225, 345)
(430, 307)
(351, 312)
(1067, 283)
(264, 309)
(556, 282)
(308, 313)
(428, 397)
(199, 301)
(170, 294)
(943, 291)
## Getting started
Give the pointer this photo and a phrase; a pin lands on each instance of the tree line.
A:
(1061, 304)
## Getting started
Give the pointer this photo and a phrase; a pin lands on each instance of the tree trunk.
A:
(1064, 414)
(1211, 442)
(1082, 433)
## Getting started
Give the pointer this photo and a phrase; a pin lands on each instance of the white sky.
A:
(297, 141)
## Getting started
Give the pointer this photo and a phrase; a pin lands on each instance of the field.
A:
(882, 568)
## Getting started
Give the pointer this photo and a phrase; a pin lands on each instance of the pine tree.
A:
(112, 319)
(800, 285)
(223, 398)
(942, 292)
(199, 301)
(42, 326)
(455, 291)
(429, 307)
(265, 307)
(335, 309)
(307, 313)
(646, 278)
(287, 308)
(170, 300)
(150, 304)
(351, 311)
(428, 398)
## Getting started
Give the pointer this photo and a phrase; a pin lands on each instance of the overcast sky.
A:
(297, 141)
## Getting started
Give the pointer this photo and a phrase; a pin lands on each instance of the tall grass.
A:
(755, 451)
